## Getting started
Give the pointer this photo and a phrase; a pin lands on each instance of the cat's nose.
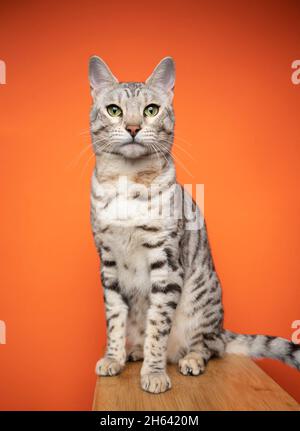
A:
(133, 130)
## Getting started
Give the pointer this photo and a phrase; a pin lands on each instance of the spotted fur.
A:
(162, 293)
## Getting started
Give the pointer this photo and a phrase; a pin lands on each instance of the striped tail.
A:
(263, 346)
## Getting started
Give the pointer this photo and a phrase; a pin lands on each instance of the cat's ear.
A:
(163, 75)
(99, 74)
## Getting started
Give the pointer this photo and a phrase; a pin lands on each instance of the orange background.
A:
(237, 117)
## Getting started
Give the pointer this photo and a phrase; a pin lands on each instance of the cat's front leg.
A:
(116, 309)
(166, 285)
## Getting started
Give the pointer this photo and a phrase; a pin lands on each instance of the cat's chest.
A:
(121, 203)
(124, 240)
(126, 245)
(125, 205)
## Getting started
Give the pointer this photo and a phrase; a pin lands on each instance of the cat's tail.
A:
(263, 346)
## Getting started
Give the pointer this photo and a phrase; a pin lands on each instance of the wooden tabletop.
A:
(231, 383)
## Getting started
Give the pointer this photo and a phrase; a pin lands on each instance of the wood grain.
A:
(231, 383)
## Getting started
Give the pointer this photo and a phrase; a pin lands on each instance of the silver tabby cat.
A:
(162, 293)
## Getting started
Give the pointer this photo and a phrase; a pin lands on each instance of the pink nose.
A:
(133, 130)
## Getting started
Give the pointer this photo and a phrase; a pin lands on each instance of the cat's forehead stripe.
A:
(132, 89)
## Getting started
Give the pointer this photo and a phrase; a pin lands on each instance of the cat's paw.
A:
(135, 355)
(191, 365)
(155, 383)
(108, 367)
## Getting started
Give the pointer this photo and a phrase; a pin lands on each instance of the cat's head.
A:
(132, 119)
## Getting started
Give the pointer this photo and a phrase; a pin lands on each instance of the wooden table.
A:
(231, 383)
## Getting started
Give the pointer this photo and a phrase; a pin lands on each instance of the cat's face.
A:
(132, 119)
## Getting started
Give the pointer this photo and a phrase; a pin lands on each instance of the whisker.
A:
(74, 162)
(158, 149)
(182, 149)
(155, 152)
(178, 161)
(108, 144)
(176, 136)
(164, 141)
(85, 132)
(86, 165)
(177, 146)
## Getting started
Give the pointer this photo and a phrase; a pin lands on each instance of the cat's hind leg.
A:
(136, 327)
(202, 348)
(135, 353)
(194, 362)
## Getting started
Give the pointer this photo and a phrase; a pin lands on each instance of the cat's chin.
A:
(133, 151)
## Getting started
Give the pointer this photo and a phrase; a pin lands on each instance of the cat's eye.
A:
(151, 110)
(114, 111)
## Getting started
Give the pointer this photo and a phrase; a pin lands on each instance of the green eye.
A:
(151, 110)
(114, 111)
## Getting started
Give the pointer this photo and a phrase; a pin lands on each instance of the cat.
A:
(161, 290)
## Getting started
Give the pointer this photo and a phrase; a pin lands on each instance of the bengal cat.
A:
(162, 293)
